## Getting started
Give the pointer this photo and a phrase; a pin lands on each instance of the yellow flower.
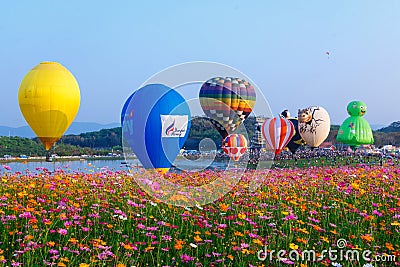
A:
(22, 194)
(73, 240)
(148, 249)
(84, 265)
(293, 246)
(61, 264)
(245, 251)
(241, 216)
(238, 233)
(197, 238)
(304, 231)
(128, 247)
(257, 241)
(323, 238)
(396, 223)
(285, 213)
(29, 237)
(355, 186)
(301, 240)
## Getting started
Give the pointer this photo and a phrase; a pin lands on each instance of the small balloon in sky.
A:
(328, 54)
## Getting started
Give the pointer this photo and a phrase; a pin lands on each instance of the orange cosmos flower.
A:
(389, 246)
(223, 207)
(367, 238)
(197, 238)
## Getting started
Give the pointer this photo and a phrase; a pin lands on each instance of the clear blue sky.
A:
(112, 49)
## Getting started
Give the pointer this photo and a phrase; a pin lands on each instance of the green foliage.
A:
(104, 141)
(16, 146)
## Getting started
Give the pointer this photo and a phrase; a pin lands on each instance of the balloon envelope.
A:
(355, 130)
(49, 100)
(158, 125)
(314, 125)
(228, 101)
(235, 145)
(296, 141)
(124, 109)
(277, 133)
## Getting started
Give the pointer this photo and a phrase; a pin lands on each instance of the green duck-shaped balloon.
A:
(355, 130)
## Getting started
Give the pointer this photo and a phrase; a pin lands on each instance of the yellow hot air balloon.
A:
(49, 99)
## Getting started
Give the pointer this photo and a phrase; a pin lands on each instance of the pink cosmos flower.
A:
(63, 231)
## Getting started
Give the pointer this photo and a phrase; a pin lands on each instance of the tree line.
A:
(110, 140)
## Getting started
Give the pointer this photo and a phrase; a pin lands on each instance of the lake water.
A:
(73, 165)
(96, 165)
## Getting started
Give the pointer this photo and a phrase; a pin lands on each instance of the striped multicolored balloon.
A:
(277, 133)
(228, 101)
(235, 145)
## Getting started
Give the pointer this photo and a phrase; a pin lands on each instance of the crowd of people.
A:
(307, 156)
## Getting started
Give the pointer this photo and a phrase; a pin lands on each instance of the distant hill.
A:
(376, 127)
(75, 128)
(394, 127)
(94, 138)
(102, 139)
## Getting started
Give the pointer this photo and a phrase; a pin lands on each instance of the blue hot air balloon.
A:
(156, 123)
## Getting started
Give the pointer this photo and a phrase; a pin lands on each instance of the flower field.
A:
(104, 219)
